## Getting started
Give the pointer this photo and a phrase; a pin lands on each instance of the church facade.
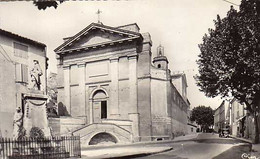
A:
(108, 80)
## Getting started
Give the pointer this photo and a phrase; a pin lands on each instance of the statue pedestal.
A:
(35, 113)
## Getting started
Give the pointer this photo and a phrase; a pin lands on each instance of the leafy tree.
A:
(229, 62)
(203, 116)
(43, 4)
(52, 92)
(36, 132)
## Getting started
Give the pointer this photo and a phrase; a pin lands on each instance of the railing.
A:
(40, 148)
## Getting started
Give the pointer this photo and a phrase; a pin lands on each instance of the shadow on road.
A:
(219, 141)
(166, 157)
(235, 152)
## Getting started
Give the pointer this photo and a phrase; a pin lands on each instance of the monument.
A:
(31, 119)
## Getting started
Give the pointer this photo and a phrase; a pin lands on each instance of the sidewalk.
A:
(241, 139)
(255, 147)
(130, 150)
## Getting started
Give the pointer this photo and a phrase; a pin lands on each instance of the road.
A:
(205, 146)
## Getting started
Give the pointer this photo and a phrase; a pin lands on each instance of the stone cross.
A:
(98, 13)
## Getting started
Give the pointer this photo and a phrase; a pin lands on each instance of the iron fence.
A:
(40, 148)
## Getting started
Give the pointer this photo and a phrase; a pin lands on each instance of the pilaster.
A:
(114, 88)
(66, 70)
(133, 113)
(90, 111)
(81, 71)
(133, 82)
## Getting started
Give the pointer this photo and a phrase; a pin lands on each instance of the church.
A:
(114, 91)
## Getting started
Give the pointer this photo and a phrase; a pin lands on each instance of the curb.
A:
(241, 139)
(137, 143)
(138, 155)
(89, 148)
(115, 156)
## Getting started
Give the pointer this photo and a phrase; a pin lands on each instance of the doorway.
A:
(103, 109)
(99, 106)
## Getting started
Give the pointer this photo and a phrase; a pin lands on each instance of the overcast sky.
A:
(178, 25)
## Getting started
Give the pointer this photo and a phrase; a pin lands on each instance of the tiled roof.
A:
(21, 38)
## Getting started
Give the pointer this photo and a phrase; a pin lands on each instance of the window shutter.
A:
(25, 73)
(18, 72)
(20, 50)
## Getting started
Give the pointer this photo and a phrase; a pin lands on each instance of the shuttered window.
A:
(25, 73)
(18, 72)
(20, 50)
(21, 73)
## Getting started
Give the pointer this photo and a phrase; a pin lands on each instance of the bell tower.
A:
(160, 61)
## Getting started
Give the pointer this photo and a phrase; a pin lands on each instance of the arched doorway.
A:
(99, 106)
(103, 138)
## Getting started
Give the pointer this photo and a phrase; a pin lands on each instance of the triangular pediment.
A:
(95, 40)
(97, 35)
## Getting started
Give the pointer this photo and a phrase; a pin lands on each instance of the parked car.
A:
(224, 133)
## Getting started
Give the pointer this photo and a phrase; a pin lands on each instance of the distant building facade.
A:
(242, 122)
(238, 116)
(217, 124)
(222, 116)
(22, 84)
(193, 127)
(235, 115)
(108, 80)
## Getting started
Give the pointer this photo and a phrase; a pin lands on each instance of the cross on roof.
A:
(98, 13)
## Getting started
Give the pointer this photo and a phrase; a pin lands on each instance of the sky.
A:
(178, 25)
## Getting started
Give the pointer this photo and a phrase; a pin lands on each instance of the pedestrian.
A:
(219, 132)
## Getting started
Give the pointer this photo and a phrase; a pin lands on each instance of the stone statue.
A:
(18, 123)
(35, 73)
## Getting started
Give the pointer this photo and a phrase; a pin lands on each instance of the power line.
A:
(184, 71)
(9, 59)
(231, 2)
(4, 56)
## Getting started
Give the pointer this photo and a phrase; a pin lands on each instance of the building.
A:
(222, 116)
(242, 122)
(238, 116)
(192, 125)
(22, 84)
(112, 89)
(216, 120)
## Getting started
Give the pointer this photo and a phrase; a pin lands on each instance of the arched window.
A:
(159, 66)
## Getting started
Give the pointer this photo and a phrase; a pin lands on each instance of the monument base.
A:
(35, 115)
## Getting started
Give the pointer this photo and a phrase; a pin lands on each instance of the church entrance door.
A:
(99, 106)
(97, 111)
(100, 111)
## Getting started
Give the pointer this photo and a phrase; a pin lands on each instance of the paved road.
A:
(205, 146)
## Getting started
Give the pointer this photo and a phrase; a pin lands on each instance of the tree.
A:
(203, 116)
(229, 62)
(43, 4)
(52, 92)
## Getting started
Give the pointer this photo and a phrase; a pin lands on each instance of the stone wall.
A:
(178, 110)
(65, 125)
(169, 109)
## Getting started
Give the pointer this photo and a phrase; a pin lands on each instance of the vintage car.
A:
(224, 133)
